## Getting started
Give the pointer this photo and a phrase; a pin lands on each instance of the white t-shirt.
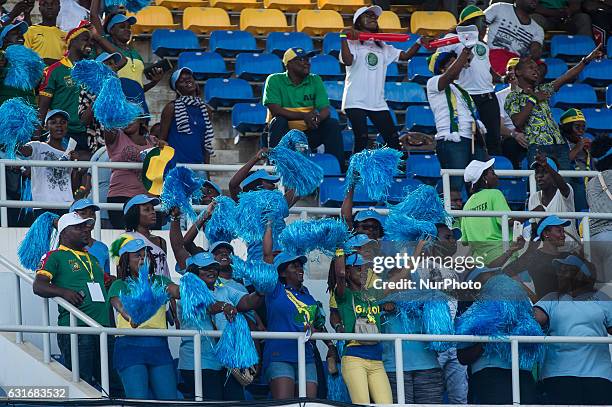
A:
(501, 99)
(70, 15)
(439, 107)
(559, 203)
(49, 184)
(475, 78)
(364, 86)
(507, 32)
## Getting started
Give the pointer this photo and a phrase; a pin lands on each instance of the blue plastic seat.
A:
(421, 119)
(170, 43)
(349, 140)
(220, 92)
(393, 73)
(598, 120)
(401, 187)
(334, 92)
(204, 65)
(609, 97)
(331, 193)
(327, 67)
(500, 86)
(597, 73)
(502, 163)
(333, 113)
(424, 166)
(400, 95)
(257, 67)
(231, 43)
(516, 192)
(249, 117)
(332, 44)
(575, 95)
(418, 71)
(556, 67)
(328, 162)
(278, 43)
(557, 113)
(571, 47)
(406, 45)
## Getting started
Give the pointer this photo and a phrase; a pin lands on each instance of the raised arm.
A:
(576, 69)
(176, 239)
(454, 70)
(346, 211)
(250, 302)
(243, 173)
(340, 270)
(556, 178)
(346, 57)
(268, 254)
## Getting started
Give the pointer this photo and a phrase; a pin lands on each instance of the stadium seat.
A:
(406, 45)
(203, 20)
(278, 43)
(597, 73)
(180, 4)
(400, 95)
(425, 167)
(170, 43)
(349, 140)
(342, 6)
(332, 44)
(502, 163)
(333, 113)
(598, 120)
(319, 22)
(220, 92)
(334, 92)
(421, 119)
(571, 47)
(389, 22)
(249, 117)
(557, 113)
(204, 65)
(327, 67)
(609, 97)
(516, 192)
(329, 164)
(556, 67)
(331, 193)
(418, 71)
(289, 6)
(152, 18)
(500, 86)
(230, 43)
(393, 73)
(234, 5)
(256, 67)
(400, 187)
(431, 23)
(574, 95)
(263, 21)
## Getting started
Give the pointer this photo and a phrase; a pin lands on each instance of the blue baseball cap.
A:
(575, 261)
(202, 259)
(140, 200)
(53, 112)
(283, 258)
(118, 19)
(369, 214)
(176, 75)
(22, 25)
(552, 220)
(220, 243)
(256, 176)
(106, 56)
(549, 161)
(359, 240)
(214, 186)
(82, 204)
(355, 260)
(132, 246)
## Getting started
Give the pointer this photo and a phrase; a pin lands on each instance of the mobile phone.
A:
(517, 230)
(164, 64)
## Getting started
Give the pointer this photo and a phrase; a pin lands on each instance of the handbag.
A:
(364, 326)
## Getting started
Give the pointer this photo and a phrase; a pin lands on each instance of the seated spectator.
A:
(514, 144)
(72, 12)
(512, 33)
(564, 15)
(576, 373)
(86, 209)
(529, 109)
(12, 34)
(185, 121)
(460, 136)
(297, 99)
(572, 125)
(46, 38)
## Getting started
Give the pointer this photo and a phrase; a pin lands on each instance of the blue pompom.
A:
(296, 171)
(221, 227)
(255, 209)
(235, 349)
(25, 68)
(111, 107)
(37, 241)
(374, 169)
(401, 227)
(144, 299)
(294, 140)
(304, 236)
(91, 74)
(181, 187)
(262, 275)
(437, 321)
(239, 267)
(424, 203)
(196, 298)
(18, 121)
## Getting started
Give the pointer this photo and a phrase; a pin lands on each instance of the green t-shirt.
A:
(71, 270)
(484, 234)
(7, 92)
(365, 306)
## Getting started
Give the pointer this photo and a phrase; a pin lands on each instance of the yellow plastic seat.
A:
(263, 21)
(180, 4)
(343, 6)
(203, 20)
(431, 22)
(389, 22)
(319, 22)
(151, 18)
(235, 5)
(290, 6)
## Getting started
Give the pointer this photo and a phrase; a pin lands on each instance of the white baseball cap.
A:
(376, 9)
(474, 170)
(71, 219)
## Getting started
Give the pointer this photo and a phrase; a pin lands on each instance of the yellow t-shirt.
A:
(132, 70)
(47, 42)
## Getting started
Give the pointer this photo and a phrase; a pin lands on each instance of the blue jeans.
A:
(139, 380)
(455, 377)
(458, 155)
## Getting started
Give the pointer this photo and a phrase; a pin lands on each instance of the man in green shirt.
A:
(297, 99)
(563, 15)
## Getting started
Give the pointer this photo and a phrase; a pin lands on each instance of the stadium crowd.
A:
(546, 265)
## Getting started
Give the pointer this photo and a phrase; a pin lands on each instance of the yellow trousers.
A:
(366, 380)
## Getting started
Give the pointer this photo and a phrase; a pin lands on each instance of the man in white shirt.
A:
(514, 143)
(72, 13)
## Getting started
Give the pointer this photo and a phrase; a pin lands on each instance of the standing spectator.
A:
(12, 34)
(59, 91)
(366, 71)
(530, 112)
(512, 33)
(564, 15)
(46, 38)
(86, 209)
(514, 143)
(185, 123)
(297, 99)
(72, 13)
(573, 125)
(460, 135)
